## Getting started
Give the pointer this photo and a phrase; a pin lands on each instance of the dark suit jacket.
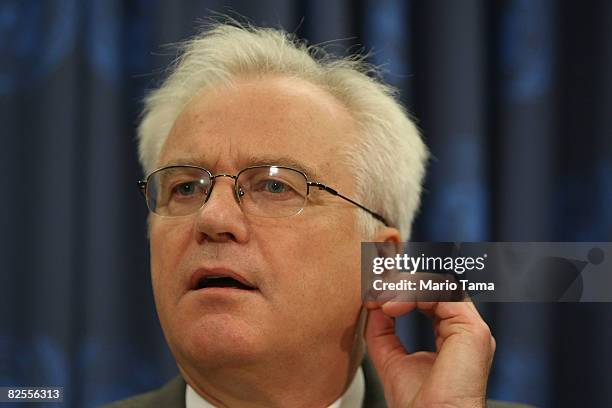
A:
(172, 395)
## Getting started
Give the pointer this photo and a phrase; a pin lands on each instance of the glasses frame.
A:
(142, 186)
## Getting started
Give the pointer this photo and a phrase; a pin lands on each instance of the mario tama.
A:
(419, 284)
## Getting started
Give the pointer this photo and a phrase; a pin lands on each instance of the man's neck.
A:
(353, 397)
(276, 385)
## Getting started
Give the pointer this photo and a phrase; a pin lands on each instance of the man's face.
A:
(305, 267)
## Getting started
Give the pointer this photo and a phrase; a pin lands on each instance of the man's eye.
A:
(276, 187)
(185, 189)
(271, 189)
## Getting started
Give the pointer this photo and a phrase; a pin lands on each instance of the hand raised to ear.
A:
(455, 375)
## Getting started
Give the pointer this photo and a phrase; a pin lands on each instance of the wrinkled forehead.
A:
(272, 120)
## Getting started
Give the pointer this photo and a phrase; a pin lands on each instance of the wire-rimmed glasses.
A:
(264, 191)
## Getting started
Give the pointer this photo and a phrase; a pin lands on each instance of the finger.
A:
(395, 308)
(372, 304)
(446, 310)
(383, 343)
(455, 312)
(462, 340)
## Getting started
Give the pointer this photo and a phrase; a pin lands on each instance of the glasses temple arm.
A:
(330, 190)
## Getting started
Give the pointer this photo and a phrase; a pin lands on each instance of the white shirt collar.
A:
(352, 398)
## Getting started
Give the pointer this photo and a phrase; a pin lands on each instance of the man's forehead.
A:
(246, 124)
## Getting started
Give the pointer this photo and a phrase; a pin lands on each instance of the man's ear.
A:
(390, 240)
(387, 234)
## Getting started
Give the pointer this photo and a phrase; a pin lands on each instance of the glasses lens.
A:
(272, 191)
(176, 191)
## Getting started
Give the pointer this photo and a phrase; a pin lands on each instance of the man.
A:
(266, 170)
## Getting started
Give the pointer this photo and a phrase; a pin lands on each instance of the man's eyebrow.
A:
(185, 161)
(283, 161)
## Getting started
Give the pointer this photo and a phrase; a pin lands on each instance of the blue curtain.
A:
(514, 98)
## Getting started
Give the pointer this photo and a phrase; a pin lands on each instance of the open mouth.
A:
(222, 282)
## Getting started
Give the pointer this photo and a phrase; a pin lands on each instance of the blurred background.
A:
(513, 97)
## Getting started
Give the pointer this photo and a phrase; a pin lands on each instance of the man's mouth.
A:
(221, 282)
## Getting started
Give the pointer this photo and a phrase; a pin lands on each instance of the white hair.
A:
(389, 157)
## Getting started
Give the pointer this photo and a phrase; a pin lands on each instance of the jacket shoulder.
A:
(171, 395)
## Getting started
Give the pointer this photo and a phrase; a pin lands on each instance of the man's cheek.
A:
(293, 293)
(157, 285)
(162, 276)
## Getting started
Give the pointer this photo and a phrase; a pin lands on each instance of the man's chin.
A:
(218, 344)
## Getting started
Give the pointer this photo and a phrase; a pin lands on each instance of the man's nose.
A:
(221, 219)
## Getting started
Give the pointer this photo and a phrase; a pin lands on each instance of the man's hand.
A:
(454, 376)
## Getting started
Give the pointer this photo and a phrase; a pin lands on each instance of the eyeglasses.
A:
(264, 191)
